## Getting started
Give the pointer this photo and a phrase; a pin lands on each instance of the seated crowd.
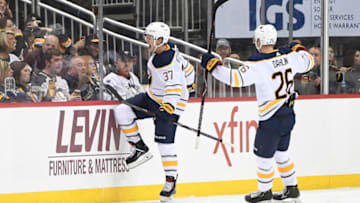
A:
(42, 64)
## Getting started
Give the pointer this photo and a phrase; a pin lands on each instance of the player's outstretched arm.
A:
(305, 60)
(228, 76)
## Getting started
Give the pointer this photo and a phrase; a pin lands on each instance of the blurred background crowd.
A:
(45, 63)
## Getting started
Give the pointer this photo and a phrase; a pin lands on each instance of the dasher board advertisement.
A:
(238, 19)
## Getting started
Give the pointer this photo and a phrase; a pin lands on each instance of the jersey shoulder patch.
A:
(265, 56)
(164, 59)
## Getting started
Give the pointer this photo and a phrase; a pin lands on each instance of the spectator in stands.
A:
(20, 43)
(29, 38)
(356, 62)
(309, 83)
(334, 86)
(91, 67)
(34, 34)
(91, 47)
(223, 48)
(5, 72)
(350, 76)
(64, 41)
(74, 72)
(79, 79)
(53, 86)
(332, 59)
(22, 74)
(93, 75)
(5, 10)
(7, 45)
(121, 78)
(36, 58)
(357, 57)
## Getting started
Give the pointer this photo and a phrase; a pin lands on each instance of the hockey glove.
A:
(164, 112)
(297, 47)
(191, 89)
(209, 62)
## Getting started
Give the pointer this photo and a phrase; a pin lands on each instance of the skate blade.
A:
(144, 158)
(164, 199)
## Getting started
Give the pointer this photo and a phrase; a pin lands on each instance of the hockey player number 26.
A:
(284, 80)
(168, 75)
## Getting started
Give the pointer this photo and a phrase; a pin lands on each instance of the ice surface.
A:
(341, 195)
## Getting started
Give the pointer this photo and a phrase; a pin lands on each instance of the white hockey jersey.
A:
(188, 69)
(273, 76)
(125, 87)
(168, 83)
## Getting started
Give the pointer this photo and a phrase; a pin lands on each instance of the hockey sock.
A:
(286, 168)
(265, 173)
(125, 117)
(169, 159)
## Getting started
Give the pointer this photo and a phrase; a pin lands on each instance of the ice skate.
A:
(290, 194)
(169, 189)
(261, 197)
(139, 154)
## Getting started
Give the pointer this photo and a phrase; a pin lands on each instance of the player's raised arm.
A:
(242, 76)
(305, 61)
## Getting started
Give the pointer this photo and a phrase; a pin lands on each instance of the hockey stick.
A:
(138, 108)
(211, 39)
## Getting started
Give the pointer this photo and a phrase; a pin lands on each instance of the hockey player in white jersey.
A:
(167, 96)
(272, 71)
(121, 78)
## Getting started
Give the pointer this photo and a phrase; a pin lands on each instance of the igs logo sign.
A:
(274, 14)
(239, 19)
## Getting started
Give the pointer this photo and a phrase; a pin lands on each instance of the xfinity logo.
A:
(235, 129)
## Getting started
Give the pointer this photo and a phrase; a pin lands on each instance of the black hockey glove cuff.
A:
(209, 62)
(191, 89)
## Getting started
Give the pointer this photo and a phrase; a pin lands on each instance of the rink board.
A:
(74, 152)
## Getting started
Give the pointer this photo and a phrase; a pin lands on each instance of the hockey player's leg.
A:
(139, 152)
(265, 175)
(165, 137)
(170, 164)
(286, 169)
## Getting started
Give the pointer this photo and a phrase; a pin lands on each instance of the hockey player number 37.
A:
(168, 75)
(289, 83)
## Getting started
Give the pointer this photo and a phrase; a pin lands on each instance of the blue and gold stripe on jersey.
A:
(270, 107)
(165, 58)
(179, 106)
(265, 56)
(188, 71)
(280, 52)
